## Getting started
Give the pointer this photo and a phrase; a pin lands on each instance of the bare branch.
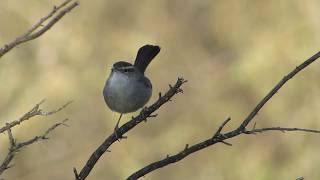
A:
(218, 137)
(5, 164)
(143, 115)
(56, 110)
(218, 132)
(35, 111)
(274, 90)
(16, 147)
(202, 145)
(55, 15)
(281, 129)
(34, 32)
(42, 20)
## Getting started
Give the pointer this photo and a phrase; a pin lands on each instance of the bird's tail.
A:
(145, 55)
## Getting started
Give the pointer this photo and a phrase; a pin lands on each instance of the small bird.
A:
(127, 89)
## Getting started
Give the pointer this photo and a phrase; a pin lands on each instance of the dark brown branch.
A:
(15, 147)
(218, 132)
(143, 115)
(55, 15)
(281, 129)
(197, 147)
(35, 111)
(274, 90)
(218, 137)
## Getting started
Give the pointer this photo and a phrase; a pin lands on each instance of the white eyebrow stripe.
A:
(127, 67)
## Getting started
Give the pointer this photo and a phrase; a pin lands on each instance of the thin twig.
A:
(238, 131)
(281, 129)
(218, 132)
(55, 15)
(42, 20)
(274, 90)
(44, 136)
(5, 164)
(144, 114)
(15, 147)
(35, 111)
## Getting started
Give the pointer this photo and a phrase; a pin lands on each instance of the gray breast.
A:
(126, 94)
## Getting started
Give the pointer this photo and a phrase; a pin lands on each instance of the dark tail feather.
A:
(145, 55)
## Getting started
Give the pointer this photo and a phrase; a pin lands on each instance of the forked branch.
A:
(39, 28)
(143, 115)
(221, 137)
(14, 145)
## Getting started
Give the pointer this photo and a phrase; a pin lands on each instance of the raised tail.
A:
(145, 55)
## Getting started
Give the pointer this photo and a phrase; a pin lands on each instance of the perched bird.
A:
(127, 89)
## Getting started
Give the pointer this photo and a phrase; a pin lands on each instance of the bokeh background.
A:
(231, 52)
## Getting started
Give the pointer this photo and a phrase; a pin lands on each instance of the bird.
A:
(127, 89)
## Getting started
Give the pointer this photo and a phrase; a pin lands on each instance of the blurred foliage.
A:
(231, 52)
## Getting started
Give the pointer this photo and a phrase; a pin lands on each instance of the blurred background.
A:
(231, 52)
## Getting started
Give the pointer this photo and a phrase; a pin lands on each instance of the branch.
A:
(35, 111)
(218, 137)
(143, 115)
(218, 132)
(16, 147)
(274, 90)
(281, 129)
(197, 147)
(38, 29)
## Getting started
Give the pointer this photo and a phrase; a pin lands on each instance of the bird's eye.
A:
(128, 70)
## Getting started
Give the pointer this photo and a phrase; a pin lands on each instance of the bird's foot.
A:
(115, 131)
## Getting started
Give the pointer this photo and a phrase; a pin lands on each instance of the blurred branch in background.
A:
(221, 137)
(15, 146)
(34, 32)
(38, 29)
(35, 111)
(143, 115)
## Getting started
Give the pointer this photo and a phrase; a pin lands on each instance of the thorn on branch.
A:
(120, 137)
(253, 130)
(254, 126)
(153, 115)
(218, 132)
(186, 147)
(179, 90)
(75, 173)
(10, 166)
(226, 143)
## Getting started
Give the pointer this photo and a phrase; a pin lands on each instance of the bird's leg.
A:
(117, 127)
